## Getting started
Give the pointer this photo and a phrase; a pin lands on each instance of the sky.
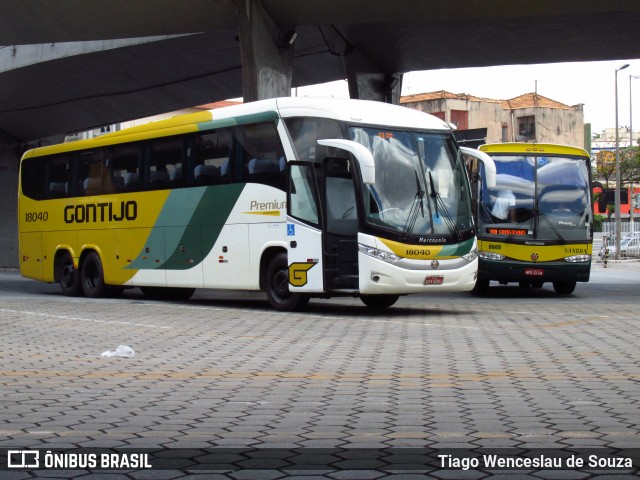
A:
(589, 83)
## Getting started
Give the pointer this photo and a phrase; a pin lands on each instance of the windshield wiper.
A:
(538, 213)
(413, 212)
(437, 200)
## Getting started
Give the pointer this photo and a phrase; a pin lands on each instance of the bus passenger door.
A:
(304, 229)
(341, 226)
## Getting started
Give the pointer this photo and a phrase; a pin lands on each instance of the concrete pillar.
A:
(367, 82)
(9, 165)
(266, 51)
(375, 86)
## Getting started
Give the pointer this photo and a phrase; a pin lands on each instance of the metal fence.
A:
(629, 239)
(609, 228)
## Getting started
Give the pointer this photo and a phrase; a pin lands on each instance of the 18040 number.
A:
(36, 216)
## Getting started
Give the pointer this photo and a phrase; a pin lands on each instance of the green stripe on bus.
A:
(189, 225)
(456, 250)
(242, 120)
(206, 223)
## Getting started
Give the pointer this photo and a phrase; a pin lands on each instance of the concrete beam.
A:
(266, 53)
(19, 56)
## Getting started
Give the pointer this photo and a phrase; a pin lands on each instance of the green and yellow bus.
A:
(296, 197)
(536, 224)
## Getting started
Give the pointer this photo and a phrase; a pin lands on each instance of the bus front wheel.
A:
(481, 287)
(564, 288)
(379, 301)
(92, 277)
(68, 277)
(277, 286)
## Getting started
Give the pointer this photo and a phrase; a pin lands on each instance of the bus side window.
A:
(261, 154)
(91, 172)
(58, 176)
(212, 151)
(124, 164)
(166, 158)
(305, 133)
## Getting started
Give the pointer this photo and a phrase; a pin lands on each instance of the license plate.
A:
(434, 280)
(534, 272)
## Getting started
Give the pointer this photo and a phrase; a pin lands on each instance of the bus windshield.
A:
(420, 188)
(541, 197)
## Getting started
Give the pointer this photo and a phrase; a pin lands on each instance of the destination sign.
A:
(507, 231)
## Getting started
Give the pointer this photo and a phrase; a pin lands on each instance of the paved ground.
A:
(517, 368)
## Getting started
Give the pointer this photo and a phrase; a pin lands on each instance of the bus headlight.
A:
(490, 255)
(471, 256)
(578, 258)
(379, 254)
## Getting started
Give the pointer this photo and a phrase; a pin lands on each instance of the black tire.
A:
(564, 288)
(68, 277)
(277, 286)
(379, 301)
(481, 287)
(92, 277)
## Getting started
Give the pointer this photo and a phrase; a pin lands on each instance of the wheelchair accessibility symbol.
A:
(291, 229)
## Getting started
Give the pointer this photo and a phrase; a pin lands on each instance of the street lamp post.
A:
(617, 192)
(632, 198)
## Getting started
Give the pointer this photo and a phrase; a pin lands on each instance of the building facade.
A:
(527, 118)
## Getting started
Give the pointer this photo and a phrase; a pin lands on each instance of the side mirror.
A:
(363, 156)
(489, 164)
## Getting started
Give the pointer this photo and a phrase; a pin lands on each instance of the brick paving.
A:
(518, 368)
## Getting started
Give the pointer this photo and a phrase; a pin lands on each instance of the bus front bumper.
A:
(379, 277)
(515, 271)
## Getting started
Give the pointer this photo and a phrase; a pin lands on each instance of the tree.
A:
(605, 165)
(629, 165)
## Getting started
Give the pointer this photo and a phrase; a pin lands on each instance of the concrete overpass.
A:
(71, 65)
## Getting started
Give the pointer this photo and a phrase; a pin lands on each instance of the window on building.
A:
(505, 133)
(440, 115)
(527, 127)
(460, 118)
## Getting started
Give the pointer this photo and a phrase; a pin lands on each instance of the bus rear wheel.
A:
(277, 286)
(92, 277)
(565, 287)
(379, 301)
(68, 277)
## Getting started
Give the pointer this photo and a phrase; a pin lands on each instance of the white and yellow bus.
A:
(536, 224)
(297, 197)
